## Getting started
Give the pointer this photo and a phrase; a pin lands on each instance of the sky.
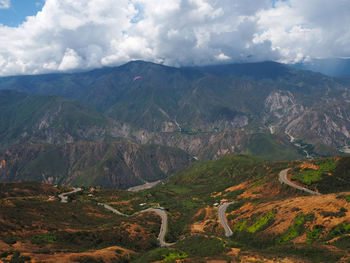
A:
(42, 36)
(13, 13)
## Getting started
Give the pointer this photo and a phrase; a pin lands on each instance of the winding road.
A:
(222, 218)
(163, 227)
(159, 211)
(64, 196)
(115, 211)
(283, 179)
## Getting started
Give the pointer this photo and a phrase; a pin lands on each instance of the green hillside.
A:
(111, 165)
(329, 175)
(41, 118)
(193, 188)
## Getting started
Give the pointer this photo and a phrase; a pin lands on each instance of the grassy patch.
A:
(339, 230)
(314, 234)
(44, 239)
(261, 222)
(296, 229)
(309, 176)
(173, 256)
(270, 147)
(245, 232)
(160, 254)
(239, 226)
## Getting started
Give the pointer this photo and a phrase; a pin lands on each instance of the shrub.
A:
(44, 239)
(339, 230)
(17, 258)
(314, 234)
(296, 229)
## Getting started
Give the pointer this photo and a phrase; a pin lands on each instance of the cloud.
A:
(301, 29)
(4, 4)
(71, 35)
(70, 60)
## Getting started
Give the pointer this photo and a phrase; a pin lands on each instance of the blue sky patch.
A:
(19, 10)
(139, 16)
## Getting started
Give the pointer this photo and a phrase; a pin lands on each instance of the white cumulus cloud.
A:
(71, 35)
(302, 29)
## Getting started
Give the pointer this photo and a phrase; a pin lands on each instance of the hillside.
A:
(50, 119)
(324, 126)
(271, 222)
(37, 227)
(111, 165)
(168, 104)
(208, 145)
(329, 175)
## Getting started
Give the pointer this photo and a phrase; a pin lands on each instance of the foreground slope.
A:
(274, 220)
(329, 175)
(35, 226)
(270, 221)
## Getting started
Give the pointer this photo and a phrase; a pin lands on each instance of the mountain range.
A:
(265, 109)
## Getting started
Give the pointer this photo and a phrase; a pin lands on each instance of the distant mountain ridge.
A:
(177, 106)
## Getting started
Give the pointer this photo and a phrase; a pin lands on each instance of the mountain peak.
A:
(140, 63)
